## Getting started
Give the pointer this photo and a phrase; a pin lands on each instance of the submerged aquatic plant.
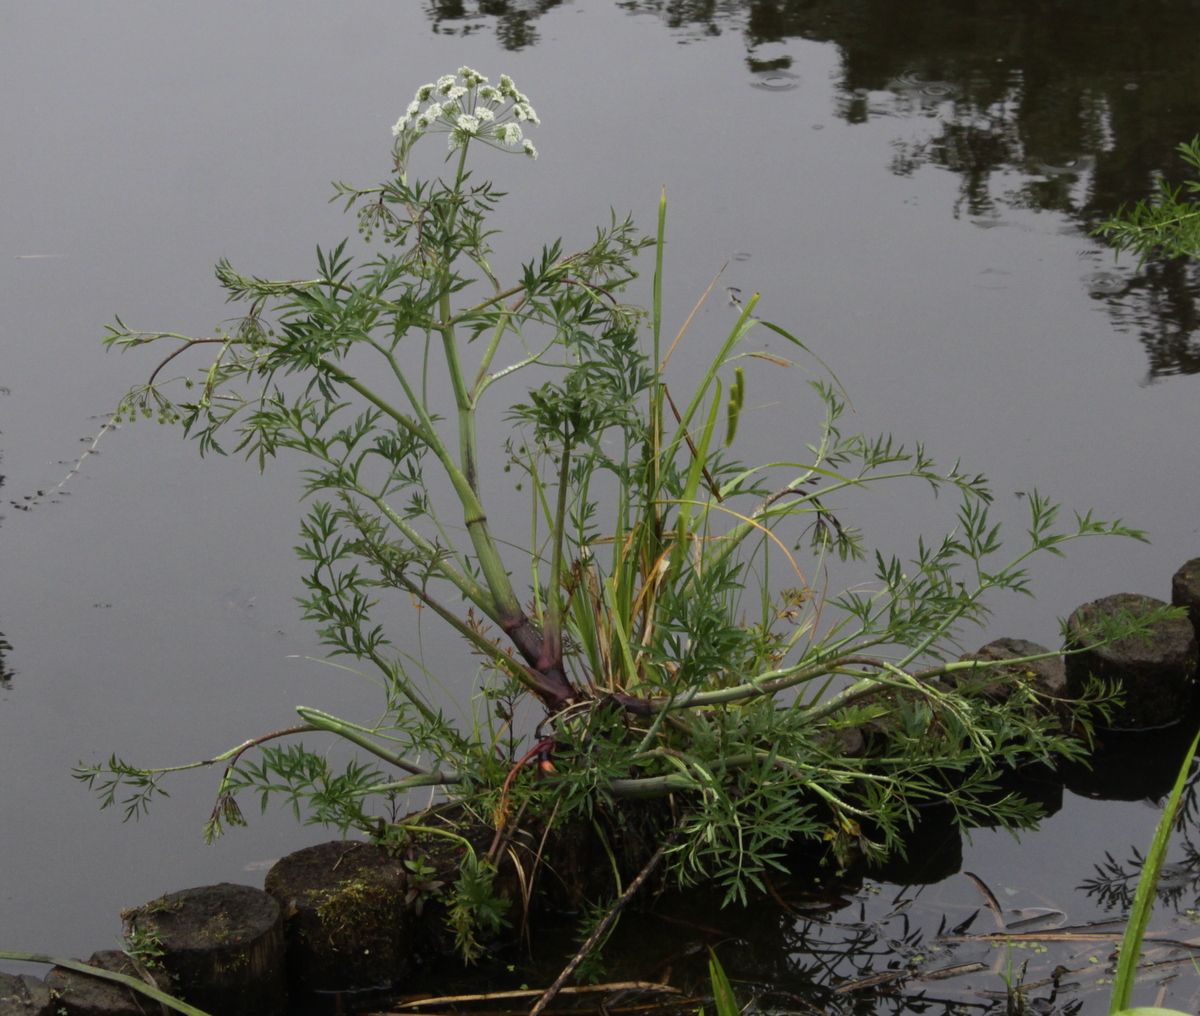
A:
(651, 631)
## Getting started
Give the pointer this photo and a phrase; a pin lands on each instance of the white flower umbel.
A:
(466, 111)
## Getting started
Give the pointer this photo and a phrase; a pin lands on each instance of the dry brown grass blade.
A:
(597, 934)
(533, 992)
(699, 303)
(988, 897)
(749, 520)
(1058, 936)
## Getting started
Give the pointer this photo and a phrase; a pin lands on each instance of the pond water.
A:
(909, 185)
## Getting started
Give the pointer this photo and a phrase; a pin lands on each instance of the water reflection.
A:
(6, 675)
(938, 939)
(1162, 308)
(944, 941)
(1144, 766)
(920, 95)
(511, 20)
(5, 648)
(857, 946)
(775, 80)
(1101, 283)
(1064, 106)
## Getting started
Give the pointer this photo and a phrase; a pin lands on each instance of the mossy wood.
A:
(348, 928)
(222, 946)
(1155, 670)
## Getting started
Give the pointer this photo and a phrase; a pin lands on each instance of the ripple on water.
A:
(1104, 283)
(911, 84)
(1072, 166)
(775, 81)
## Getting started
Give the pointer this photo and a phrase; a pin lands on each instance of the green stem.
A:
(466, 585)
(355, 734)
(552, 655)
(438, 779)
(526, 675)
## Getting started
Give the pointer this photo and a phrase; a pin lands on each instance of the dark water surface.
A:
(908, 185)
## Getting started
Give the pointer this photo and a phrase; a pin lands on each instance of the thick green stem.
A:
(356, 735)
(500, 603)
(466, 585)
(529, 677)
(508, 613)
(552, 655)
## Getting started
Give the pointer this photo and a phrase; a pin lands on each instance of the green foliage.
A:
(309, 786)
(723, 997)
(423, 883)
(143, 943)
(652, 632)
(475, 910)
(1168, 225)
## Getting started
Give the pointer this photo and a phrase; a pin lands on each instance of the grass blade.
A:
(722, 990)
(1143, 900)
(107, 975)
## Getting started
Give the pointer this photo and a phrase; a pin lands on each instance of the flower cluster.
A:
(470, 109)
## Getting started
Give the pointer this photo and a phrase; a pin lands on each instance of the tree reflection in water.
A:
(1037, 105)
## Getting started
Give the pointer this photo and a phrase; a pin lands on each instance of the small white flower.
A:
(469, 110)
(509, 133)
(524, 111)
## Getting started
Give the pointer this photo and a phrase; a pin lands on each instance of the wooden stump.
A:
(76, 994)
(1185, 591)
(223, 947)
(1131, 765)
(933, 850)
(1047, 676)
(1157, 677)
(348, 929)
